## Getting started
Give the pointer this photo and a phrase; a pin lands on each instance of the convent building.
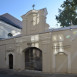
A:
(39, 48)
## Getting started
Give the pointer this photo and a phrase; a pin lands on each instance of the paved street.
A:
(7, 75)
(11, 73)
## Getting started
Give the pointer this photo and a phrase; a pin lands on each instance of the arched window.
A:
(10, 35)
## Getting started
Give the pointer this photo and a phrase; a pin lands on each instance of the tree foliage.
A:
(68, 13)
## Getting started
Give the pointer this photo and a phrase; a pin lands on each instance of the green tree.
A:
(68, 13)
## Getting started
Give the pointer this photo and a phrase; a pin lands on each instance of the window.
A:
(10, 35)
(34, 38)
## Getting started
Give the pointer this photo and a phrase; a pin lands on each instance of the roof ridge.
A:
(11, 16)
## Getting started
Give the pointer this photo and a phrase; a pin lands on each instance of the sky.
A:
(17, 8)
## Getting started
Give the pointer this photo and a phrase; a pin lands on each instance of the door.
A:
(10, 61)
(61, 63)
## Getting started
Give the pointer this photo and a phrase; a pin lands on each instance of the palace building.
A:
(40, 48)
(9, 26)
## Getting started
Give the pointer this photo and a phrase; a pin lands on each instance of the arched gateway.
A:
(33, 59)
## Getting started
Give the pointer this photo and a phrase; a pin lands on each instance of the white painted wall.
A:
(6, 28)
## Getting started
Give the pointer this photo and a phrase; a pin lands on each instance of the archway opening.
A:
(10, 61)
(33, 59)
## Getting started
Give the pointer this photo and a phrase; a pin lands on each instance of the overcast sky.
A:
(19, 7)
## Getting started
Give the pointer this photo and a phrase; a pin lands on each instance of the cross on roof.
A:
(33, 6)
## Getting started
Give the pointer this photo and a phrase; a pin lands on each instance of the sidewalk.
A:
(25, 73)
(33, 73)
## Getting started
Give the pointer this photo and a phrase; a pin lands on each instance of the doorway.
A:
(10, 61)
(33, 59)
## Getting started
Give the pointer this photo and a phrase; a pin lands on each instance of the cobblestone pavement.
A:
(13, 73)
